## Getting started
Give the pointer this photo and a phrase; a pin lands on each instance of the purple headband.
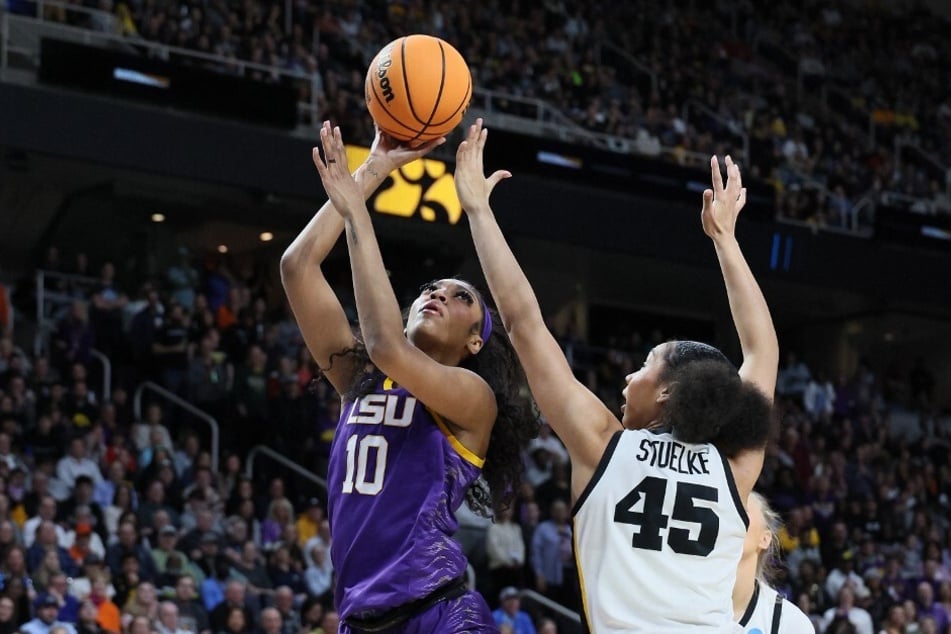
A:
(486, 324)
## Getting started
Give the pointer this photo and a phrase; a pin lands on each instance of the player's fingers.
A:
(715, 176)
(497, 177)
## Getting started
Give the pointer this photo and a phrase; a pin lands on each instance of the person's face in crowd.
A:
(236, 621)
(47, 613)
(643, 393)
(88, 612)
(168, 615)
(314, 613)
(331, 622)
(270, 621)
(146, 593)
(47, 508)
(6, 609)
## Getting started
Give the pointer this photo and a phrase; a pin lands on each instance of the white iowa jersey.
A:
(658, 534)
(769, 613)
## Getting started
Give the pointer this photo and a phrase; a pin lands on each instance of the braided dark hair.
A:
(516, 421)
(709, 402)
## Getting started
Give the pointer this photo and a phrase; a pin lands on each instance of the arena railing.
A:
(284, 461)
(21, 36)
(923, 155)
(569, 621)
(175, 399)
(50, 303)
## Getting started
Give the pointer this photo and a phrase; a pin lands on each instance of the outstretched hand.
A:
(722, 204)
(472, 187)
(388, 154)
(339, 184)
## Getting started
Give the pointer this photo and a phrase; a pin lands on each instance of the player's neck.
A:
(744, 588)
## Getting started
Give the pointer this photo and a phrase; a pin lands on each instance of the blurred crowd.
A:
(115, 522)
(814, 95)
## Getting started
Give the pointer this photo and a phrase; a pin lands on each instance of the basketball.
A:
(418, 88)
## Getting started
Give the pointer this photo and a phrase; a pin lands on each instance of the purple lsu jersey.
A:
(396, 477)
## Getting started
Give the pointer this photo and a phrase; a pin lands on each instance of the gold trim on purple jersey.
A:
(461, 449)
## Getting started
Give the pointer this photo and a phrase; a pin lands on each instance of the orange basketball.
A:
(418, 88)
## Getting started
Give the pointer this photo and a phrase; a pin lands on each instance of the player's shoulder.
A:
(794, 620)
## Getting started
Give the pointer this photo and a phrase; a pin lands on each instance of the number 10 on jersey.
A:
(358, 457)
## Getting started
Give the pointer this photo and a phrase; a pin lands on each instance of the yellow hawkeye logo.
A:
(424, 187)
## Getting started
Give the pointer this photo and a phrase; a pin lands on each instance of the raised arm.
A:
(579, 418)
(721, 206)
(457, 394)
(319, 315)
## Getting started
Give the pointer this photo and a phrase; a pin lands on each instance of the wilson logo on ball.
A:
(384, 64)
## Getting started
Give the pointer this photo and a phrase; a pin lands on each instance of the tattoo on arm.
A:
(352, 233)
(371, 170)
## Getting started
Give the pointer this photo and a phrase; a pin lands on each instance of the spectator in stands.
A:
(127, 545)
(108, 301)
(284, 605)
(552, 556)
(505, 548)
(330, 623)
(88, 622)
(142, 602)
(167, 621)
(279, 514)
(68, 604)
(234, 598)
(82, 541)
(142, 432)
(73, 339)
(93, 569)
(192, 615)
(319, 573)
(165, 549)
(170, 350)
(928, 607)
(236, 622)
(846, 609)
(793, 378)
(46, 512)
(155, 502)
(47, 542)
(511, 614)
(843, 574)
(143, 328)
(46, 622)
(308, 522)
(251, 568)
(182, 280)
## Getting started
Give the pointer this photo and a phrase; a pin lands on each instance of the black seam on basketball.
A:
(409, 98)
(386, 110)
(442, 83)
(463, 104)
(406, 128)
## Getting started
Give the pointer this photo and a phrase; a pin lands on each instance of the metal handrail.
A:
(42, 275)
(551, 605)
(901, 144)
(42, 4)
(694, 104)
(185, 405)
(287, 462)
(163, 51)
(106, 373)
